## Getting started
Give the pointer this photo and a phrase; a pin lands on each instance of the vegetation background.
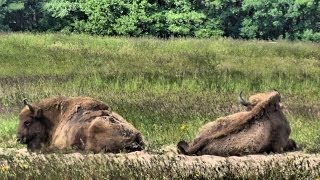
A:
(168, 67)
(166, 88)
(247, 19)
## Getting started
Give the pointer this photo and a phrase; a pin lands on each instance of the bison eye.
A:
(27, 123)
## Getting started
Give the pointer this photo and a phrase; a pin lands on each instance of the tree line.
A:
(246, 19)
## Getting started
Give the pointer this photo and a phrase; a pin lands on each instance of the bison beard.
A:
(262, 128)
(80, 122)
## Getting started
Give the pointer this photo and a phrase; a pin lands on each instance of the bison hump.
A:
(224, 126)
(253, 138)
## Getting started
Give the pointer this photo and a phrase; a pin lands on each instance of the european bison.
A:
(80, 122)
(261, 128)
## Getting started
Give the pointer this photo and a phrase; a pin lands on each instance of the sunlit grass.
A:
(306, 133)
(166, 88)
(8, 128)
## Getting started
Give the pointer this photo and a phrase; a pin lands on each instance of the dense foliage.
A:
(263, 19)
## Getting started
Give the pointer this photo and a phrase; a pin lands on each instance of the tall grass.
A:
(166, 88)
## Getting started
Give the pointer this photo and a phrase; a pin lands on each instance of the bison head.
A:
(269, 105)
(32, 127)
(262, 99)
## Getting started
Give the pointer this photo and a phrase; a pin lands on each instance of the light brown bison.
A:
(80, 122)
(261, 128)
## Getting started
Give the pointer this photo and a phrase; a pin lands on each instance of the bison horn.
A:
(27, 104)
(242, 101)
(277, 91)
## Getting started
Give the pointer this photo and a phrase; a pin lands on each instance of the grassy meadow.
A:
(166, 88)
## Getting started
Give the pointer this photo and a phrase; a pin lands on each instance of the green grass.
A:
(8, 126)
(167, 89)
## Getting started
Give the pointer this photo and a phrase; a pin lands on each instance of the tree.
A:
(63, 14)
(24, 15)
(8, 7)
(274, 19)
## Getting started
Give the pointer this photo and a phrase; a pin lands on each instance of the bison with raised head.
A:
(261, 128)
(79, 122)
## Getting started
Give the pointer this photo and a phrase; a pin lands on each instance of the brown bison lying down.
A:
(262, 128)
(80, 122)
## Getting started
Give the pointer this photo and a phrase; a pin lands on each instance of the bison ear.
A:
(28, 105)
(38, 113)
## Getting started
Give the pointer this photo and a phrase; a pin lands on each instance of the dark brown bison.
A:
(79, 122)
(261, 128)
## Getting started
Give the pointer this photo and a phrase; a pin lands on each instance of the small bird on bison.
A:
(261, 128)
(79, 122)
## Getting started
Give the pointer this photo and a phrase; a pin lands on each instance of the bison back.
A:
(253, 137)
(110, 134)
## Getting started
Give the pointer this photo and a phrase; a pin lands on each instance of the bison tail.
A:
(139, 144)
(182, 147)
(136, 145)
(291, 146)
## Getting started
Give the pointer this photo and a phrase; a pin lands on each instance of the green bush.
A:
(263, 19)
(311, 36)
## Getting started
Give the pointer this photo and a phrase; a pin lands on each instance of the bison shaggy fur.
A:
(79, 122)
(261, 128)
